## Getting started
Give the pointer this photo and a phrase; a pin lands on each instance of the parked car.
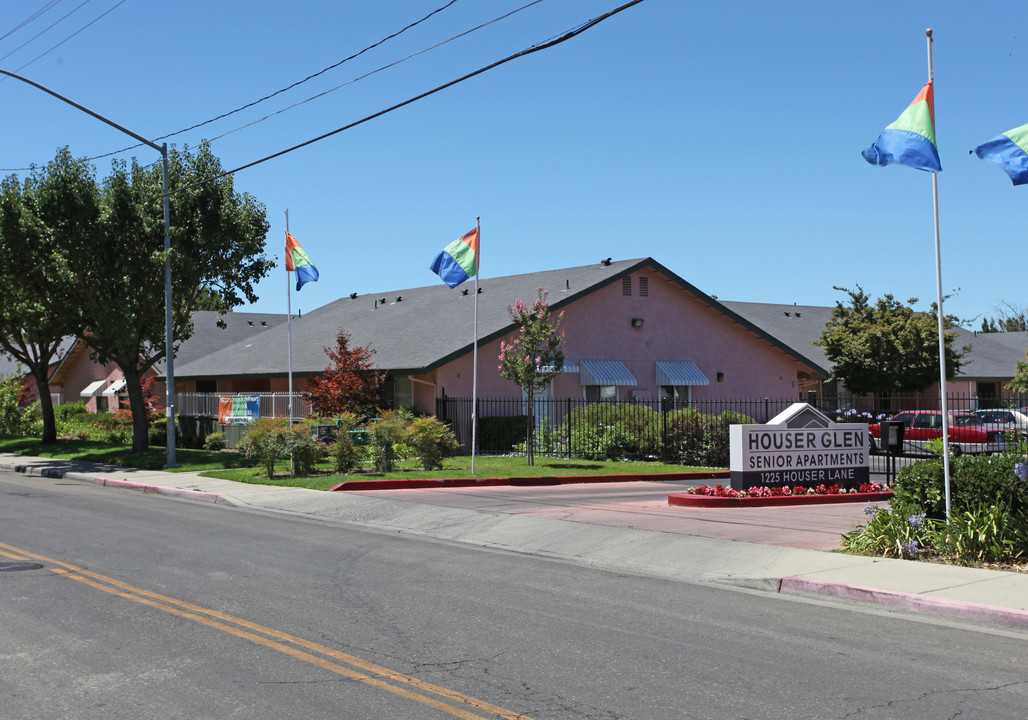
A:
(967, 433)
(1006, 420)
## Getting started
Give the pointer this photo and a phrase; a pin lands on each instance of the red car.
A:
(967, 433)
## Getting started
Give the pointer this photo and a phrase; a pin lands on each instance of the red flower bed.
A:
(720, 496)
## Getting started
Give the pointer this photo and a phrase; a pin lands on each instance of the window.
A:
(626, 286)
(600, 393)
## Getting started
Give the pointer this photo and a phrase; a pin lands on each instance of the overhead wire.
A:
(375, 71)
(30, 18)
(545, 45)
(48, 28)
(326, 92)
(285, 89)
(84, 27)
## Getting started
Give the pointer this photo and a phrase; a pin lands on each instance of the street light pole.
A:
(169, 345)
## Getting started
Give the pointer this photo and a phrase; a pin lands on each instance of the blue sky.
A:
(722, 139)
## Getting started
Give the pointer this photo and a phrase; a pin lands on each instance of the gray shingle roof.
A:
(208, 337)
(797, 326)
(994, 356)
(417, 329)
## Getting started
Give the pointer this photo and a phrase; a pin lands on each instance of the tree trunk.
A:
(46, 407)
(530, 441)
(140, 420)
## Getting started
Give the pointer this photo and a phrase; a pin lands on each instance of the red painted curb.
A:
(708, 501)
(354, 485)
(907, 601)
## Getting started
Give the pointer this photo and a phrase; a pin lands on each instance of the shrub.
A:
(15, 419)
(501, 432)
(902, 531)
(214, 441)
(386, 433)
(302, 448)
(986, 533)
(345, 455)
(262, 441)
(431, 440)
(607, 431)
(973, 480)
(988, 512)
(690, 438)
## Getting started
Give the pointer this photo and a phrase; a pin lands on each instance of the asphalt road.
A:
(150, 606)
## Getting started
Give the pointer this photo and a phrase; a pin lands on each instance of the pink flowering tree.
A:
(533, 358)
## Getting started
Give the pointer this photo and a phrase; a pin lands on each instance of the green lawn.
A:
(233, 466)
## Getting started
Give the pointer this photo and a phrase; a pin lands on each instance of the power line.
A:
(279, 92)
(370, 73)
(326, 92)
(30, 18)
(47, 29)
(557, 40)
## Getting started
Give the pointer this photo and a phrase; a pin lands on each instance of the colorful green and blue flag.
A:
(1010, 152)
(299, 261)
(458, 261)
(910, 140)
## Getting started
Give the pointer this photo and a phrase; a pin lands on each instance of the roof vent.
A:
(788, 314)
(399, 298)
(605, 263)
(798, 314)
(383, 301)
(250, 323)
(465, 291)
(353, 296)
(480, 291)
(264, 323)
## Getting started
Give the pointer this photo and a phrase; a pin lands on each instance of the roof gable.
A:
(419, 329)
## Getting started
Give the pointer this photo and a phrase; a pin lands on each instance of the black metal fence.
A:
(694, 432)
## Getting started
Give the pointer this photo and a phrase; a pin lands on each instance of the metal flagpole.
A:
(942, 324)
(289, 325)
(474, 352)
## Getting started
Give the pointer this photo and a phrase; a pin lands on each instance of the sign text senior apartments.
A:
(775, 455)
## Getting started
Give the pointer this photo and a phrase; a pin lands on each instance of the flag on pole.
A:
(910, 140)
(299, 261)
(1010, 152)
(459, 260)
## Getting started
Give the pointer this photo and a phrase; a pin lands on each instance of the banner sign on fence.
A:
(800, 446)
(238, 409)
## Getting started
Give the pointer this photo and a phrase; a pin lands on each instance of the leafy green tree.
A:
(54, 206)
(110, 264)
(534, 357)
(885, 347)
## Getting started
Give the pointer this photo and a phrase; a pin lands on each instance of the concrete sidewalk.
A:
(617, 526)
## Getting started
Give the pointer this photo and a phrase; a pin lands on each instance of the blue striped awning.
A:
(606, 372)
(565, 368)
(679, 372)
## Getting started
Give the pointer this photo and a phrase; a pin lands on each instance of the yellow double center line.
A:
(447, 701)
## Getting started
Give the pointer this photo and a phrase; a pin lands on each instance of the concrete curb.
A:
(56, 474)
(927, 604)
(158, 489)
(357, 485)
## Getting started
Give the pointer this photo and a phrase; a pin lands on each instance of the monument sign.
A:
(800, 446)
